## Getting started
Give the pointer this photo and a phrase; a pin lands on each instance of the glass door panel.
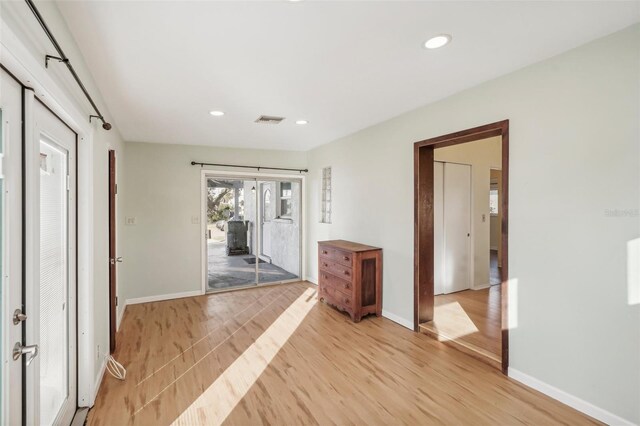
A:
(230, 232)
(279, 230)
(54, 282)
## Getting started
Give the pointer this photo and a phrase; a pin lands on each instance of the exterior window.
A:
(493, 201)
(285, 200)
(325, 214)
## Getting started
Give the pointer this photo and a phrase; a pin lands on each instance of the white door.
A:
(11, 266)
(51, 267)
(452, 227)
(457, 227)
(438, 227)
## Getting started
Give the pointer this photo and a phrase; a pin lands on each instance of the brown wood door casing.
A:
(424, 223)
(112, 251)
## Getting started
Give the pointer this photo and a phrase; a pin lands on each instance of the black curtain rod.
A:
(63, 58)
(195, 163)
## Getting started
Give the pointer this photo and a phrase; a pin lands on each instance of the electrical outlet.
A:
(130, 220)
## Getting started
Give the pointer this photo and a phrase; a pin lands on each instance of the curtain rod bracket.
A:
(47, 58)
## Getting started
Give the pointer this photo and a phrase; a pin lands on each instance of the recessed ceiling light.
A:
(216, 113)
(302, 122)
(437, 41)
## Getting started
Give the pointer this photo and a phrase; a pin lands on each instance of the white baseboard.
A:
(119, 319)
(162, 297)
(312, 280)
(568, 399)
(399, 320)
(98, 379)
(481, 287)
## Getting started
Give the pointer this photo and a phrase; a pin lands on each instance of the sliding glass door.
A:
(253, 231)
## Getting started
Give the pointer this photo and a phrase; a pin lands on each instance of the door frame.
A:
(259, 176)
(423, 263)
(113, 255)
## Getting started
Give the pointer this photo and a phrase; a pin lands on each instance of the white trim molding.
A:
(120, 315)
(398, 319)
(100, 376)
(312, 280)
(162, 297)
(568, 399)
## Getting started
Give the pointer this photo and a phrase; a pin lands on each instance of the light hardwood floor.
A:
(471, 320)
(274, 355)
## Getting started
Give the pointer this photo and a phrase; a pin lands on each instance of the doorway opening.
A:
(460, 267)
(252, 231)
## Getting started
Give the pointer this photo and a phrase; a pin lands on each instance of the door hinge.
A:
(116, 300)
(116, 189)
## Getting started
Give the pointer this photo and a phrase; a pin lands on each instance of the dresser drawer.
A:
(335, 297)
(330, 280)
(336, 268)
(339, 256)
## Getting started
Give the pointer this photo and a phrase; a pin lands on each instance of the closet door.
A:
(457, 227)
(438, 227)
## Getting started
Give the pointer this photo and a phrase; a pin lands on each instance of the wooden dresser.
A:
(350, 277)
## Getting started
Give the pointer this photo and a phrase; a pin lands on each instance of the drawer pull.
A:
(325, 265)
(325, 252)
(345, 257)
(324, 276)
(346, 272)
(347, 286)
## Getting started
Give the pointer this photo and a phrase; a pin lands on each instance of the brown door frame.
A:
(112, 251)
(423, 222)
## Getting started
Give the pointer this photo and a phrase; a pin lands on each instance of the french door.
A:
(49, 347)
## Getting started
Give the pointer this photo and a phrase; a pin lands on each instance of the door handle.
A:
(117, 259)
(18, 317)
(19, 350)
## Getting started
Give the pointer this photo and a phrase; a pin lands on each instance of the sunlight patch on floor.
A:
(453, 321)
(219, 399)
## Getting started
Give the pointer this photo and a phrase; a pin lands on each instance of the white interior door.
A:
(457, 227)
(11, 266)
(51, 268)
(438, 227)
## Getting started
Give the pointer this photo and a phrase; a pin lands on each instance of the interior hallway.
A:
(274, 355)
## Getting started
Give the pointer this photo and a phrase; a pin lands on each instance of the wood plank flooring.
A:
(274, 355)
(471, 320)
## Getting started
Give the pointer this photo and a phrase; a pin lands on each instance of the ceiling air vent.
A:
(268, 119)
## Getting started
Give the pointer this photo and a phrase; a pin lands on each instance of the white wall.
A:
(481, 156)
(162, 252)
(574, 153)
